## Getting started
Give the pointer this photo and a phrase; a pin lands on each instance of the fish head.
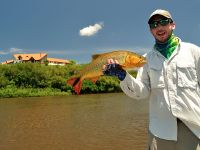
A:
(134, 60)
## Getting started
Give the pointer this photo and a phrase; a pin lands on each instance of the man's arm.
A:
(196, 54)
(138, 88)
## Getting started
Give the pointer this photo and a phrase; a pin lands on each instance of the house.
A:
(56, 61)
(38, 57)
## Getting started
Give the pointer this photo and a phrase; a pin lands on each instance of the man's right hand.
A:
(112, 68)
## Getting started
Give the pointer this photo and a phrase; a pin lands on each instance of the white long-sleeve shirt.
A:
(173, 88)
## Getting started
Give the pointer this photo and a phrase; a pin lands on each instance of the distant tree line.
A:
(34, 79)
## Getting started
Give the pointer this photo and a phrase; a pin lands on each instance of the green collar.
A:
(166, 49)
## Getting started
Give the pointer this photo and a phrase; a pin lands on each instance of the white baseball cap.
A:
(160, 12)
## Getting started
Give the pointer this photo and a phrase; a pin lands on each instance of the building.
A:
(34, 58)
(56, 61)
(40, 57)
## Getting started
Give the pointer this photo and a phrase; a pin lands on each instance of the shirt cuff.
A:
(128, 86)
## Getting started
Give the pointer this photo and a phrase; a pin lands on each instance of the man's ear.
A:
(173, 26)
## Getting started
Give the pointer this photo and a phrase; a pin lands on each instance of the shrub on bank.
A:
(30, 92)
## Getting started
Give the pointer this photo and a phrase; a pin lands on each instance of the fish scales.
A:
(93, 70)
(98, 64)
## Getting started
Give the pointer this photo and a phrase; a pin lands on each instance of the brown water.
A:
(86, 122)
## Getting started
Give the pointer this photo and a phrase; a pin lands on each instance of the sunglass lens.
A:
(164, 22)
(153, 25)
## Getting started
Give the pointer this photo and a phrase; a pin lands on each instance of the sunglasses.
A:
(162, 22)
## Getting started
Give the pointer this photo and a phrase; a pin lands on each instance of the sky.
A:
(77, 29)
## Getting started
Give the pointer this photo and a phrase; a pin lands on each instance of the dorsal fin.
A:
(95, 56)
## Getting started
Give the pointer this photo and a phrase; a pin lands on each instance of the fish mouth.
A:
(131, 62)
(142, 62)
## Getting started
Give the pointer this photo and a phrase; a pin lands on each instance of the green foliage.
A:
(3, 81)
(30, 92)
(34, 79)
(46, 62)
(72, 62)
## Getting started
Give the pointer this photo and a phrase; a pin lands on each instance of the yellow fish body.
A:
(93, 70)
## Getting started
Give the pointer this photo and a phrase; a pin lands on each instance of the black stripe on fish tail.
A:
(76, 81)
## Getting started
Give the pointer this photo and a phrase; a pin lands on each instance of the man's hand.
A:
(112, 68)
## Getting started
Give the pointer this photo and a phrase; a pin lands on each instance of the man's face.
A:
(161, 32)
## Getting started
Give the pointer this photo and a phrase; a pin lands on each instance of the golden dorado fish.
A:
(93, 70)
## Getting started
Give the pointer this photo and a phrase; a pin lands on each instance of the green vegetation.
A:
(28, 79)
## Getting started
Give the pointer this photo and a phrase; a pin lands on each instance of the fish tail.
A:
(77, 87)
(76, 83)
(72, 81)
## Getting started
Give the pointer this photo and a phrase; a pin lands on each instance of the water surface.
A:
(85, 122)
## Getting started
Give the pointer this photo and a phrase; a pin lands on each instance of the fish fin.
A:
(76, 83)
(72, 81)
(77, 87)
(94, 80)
(95, 56)
(122, 67)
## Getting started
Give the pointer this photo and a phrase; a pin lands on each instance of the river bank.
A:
(38, 92)
(30, 92)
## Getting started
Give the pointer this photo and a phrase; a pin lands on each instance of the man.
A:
(171, 82)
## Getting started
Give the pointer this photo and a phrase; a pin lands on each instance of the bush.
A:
(34, 79)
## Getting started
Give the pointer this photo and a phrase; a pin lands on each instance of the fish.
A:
(93, 70)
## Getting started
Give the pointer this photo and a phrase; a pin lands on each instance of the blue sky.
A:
(77, 29)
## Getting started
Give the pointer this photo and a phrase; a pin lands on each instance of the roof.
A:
(58, 60)
(7, 62)
(37, 56)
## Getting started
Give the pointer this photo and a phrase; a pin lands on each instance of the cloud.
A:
(11, 51)
(15, 50)
(91, 30)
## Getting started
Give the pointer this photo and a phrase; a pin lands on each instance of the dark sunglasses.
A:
(162, 22)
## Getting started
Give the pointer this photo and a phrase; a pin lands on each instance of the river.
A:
(85, 122)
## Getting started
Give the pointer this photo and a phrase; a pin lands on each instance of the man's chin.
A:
(161, 39)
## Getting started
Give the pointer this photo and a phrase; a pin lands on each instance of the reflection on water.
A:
(86, 122)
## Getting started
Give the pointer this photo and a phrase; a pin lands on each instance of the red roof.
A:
(38, 56)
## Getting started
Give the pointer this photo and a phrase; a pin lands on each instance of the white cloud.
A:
(91, 30)
(11, 51)
(15, 50)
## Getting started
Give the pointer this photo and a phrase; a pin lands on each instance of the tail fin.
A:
(76, 83)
